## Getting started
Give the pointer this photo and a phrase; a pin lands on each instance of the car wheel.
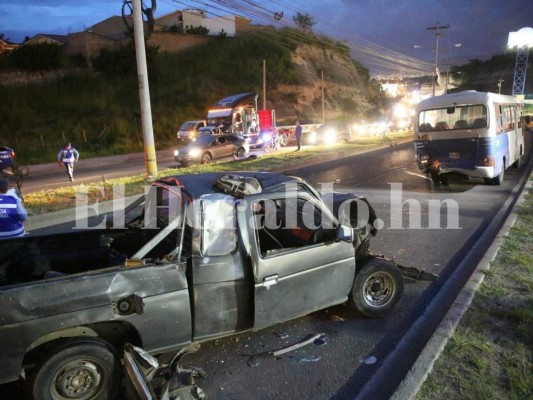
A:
(283, 140)
(80, 369)
(377, 287)
(241, 152)
(206, 158)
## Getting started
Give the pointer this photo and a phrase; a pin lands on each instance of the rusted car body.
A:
(192, 264)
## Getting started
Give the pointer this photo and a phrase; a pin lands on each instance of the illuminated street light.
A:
(523, 39)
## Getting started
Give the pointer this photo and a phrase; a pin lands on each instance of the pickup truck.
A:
(189, 262)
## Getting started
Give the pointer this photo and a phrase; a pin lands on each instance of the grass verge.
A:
(490, 355)
(45, 201)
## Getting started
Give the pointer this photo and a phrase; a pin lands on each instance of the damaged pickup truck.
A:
(193, 262)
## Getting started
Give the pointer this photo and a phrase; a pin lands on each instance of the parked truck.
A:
(198, 257)
(238, 114)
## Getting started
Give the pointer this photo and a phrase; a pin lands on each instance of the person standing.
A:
(67, 156)
(298, 133)
(12, 213)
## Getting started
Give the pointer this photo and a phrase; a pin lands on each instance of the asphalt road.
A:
(419, 233)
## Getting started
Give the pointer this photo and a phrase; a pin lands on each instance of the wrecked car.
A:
(198, 257)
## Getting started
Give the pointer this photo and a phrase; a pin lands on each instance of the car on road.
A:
(329, 133)
(189, 130)
(199, 257)
(207, 148)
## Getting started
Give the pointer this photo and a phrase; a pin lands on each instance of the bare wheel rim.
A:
(206, 158)
(379, 289)
(79, 379)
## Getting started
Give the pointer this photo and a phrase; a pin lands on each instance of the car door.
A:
(299, 264)
(220, 147)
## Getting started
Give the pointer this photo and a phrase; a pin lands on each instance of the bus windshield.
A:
(453, 118)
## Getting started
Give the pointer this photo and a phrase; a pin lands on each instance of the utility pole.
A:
(322, 74)
(437, 34)
(264, 86)
(144, 92)
(500, 85)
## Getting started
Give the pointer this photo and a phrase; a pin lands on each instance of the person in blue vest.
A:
(298, 133)
(12, 212)
(67, 156)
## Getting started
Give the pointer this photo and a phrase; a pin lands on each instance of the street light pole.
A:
(437, 34)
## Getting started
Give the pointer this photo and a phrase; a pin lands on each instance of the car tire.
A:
(206, 158)
(241, 152)
(377, 287)
(283, 140)
(83, 368)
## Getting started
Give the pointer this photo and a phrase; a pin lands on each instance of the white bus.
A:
(473, 133)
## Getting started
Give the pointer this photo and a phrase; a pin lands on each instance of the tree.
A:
(304, 21)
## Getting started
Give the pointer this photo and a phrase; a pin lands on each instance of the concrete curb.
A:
(436, 344)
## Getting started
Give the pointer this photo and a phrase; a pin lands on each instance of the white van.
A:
(189, 130)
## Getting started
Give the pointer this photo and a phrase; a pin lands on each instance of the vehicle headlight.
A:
(176, 152)
(266, 138)
(330, 136)
(195, 152)
(312, 137)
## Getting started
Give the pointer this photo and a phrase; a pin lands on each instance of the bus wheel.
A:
(518, 162)
(498, 180)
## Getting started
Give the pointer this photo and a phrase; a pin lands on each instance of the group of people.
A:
(12, 210)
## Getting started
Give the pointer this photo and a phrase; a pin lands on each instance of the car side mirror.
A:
(345, 233)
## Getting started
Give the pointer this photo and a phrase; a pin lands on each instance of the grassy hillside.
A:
(99, 111)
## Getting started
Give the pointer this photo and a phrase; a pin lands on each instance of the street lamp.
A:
(437, 34)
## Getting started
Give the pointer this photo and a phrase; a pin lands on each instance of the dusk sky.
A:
(390, 27)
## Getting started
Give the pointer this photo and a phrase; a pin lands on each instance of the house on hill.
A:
(7, 46)
(59, 40)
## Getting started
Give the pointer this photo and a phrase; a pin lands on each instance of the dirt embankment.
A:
(346, 89)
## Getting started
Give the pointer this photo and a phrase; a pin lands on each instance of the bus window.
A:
(453, 118)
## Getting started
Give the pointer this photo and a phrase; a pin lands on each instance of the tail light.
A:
(12, 155)
(488, 161)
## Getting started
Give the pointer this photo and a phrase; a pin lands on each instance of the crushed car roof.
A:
(200, 184)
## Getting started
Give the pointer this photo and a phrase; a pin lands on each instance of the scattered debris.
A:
(336, 318)
(410, 272)
(310, 359)
(168, 380)
(318, 339)
(370, 360)
(282, 335)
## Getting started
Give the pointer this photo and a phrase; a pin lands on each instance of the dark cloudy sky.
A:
(376, 26)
